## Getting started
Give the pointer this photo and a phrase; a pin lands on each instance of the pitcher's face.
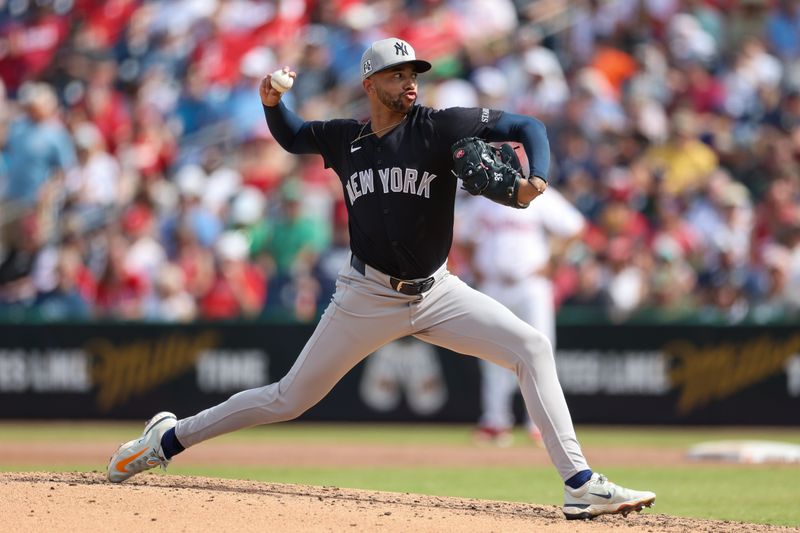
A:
(396, 87)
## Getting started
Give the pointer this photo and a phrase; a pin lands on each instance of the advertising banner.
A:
(609, 374)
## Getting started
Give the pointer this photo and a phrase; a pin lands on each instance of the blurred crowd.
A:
(138, 180)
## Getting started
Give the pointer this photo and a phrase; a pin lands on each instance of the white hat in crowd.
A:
(232, 246)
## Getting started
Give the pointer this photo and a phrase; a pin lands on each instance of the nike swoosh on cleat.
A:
(122, 464)
(607, 495)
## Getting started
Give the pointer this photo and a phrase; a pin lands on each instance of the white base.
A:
(746, 451)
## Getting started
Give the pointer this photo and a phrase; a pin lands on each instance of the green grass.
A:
(287, 432)
(759, 494)
(418, 434)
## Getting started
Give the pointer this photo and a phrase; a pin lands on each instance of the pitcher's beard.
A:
(397, 104)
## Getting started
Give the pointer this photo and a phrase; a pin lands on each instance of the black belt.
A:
(411, 288)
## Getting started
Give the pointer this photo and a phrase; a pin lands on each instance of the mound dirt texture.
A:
(86, 502)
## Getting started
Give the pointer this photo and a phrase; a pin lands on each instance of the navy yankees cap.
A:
(388, 53)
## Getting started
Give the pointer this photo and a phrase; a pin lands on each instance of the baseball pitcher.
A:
(397, 172)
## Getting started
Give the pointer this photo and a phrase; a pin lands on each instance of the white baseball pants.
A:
(367, 313)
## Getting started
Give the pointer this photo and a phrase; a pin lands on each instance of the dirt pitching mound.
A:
(43, 501)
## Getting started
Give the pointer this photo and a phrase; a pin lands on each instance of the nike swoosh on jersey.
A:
(354, 149)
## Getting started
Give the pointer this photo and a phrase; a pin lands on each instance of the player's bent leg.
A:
(471, 323)
(474, 324)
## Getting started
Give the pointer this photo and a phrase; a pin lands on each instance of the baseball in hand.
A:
(281, 81)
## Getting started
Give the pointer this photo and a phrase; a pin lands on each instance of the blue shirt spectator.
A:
(38, 145)
(783, 30)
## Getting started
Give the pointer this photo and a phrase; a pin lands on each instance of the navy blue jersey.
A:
(399, 188)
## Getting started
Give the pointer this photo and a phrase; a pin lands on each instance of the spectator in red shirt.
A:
(107, 107)
(120, 293)
(239, 289)
(195, 261)
(703, 92)
(153, 147)
(28, 47)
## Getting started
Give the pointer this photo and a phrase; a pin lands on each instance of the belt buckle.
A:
(415, 287)
(412, 287)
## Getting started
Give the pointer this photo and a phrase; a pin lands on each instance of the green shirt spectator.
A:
(294, 240)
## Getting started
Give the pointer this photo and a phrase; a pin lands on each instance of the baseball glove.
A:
(489, 171)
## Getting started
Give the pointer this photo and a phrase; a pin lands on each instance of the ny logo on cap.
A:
(400, 48)
(367, 66)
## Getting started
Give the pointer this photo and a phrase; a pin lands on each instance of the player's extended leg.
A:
(362, 317)
(338, 343)
(469, 322)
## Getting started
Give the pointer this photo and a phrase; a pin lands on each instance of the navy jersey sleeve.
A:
(291, 132)
(296, 136)
(529, 131)
(493, 125)
(456, 123)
